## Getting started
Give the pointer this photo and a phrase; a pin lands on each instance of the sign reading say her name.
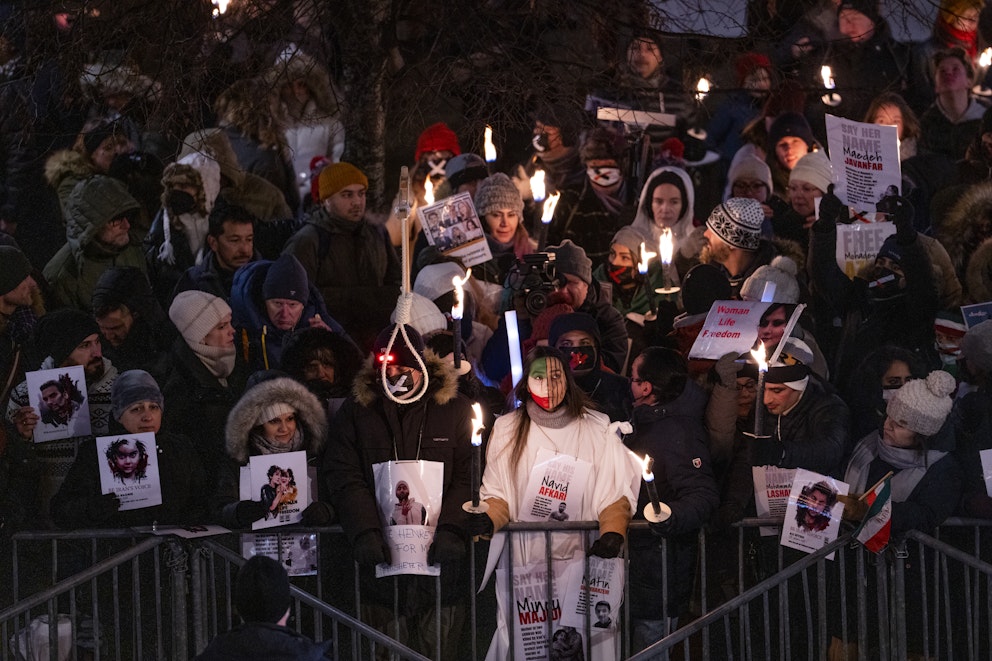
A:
(865, 159)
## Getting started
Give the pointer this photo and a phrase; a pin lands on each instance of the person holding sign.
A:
(137, 406)
(273, 417)
(415, 422)
(668, 426)
(553, 448)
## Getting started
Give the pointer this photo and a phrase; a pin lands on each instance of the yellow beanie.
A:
(338, 175)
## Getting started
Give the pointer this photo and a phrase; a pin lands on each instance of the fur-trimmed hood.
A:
(978, 278)
(310, 413)
(67, 163)
(966, 225)
(442, 386)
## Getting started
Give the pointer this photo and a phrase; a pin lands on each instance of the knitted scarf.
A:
(910, 465)
(265, 446)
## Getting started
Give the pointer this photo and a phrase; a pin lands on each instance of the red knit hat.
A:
(747, 63)
(437, 137)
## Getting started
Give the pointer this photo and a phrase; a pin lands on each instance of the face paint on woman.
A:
(546, 383)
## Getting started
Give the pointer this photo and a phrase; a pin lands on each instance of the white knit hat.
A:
(814, 168)
(923, 405)
(782, 272)
(273, 411)
(434, 280)
(425, 316)
(195, 313)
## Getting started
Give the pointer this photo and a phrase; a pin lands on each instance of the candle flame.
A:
(221, 5)
(985, 59)
(828, 77)
(537, 187)
(646, 255)
(702, 88)
(458, 309)
(759, 357)
(428, 190)
(647, 464)
(490, 148)
(549, 208)
(666, 246)
(477, 425)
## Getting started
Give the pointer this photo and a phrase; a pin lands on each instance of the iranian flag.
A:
(876, 527)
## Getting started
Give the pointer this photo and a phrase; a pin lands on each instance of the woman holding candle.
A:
(554, 421)
(667, 203)
(668, 426)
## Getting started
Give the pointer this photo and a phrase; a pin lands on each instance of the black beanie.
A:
(261, 591)
(702, 286)
(14, 269)
(401, 355)
(58, 333)
(286, 279)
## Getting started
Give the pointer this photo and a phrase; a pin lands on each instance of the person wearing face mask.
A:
(589, 214)
(668, 426)
(554, 420)
(632, 290)
(873, 384)
(424, 419)
(576, 335)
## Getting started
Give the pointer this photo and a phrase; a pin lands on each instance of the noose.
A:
(405, 301)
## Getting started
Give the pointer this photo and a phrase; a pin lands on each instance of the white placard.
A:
(556, 481)
(865, 159)
(453, 227)
(772, 486)
(735, 326)
(129, 468)
(858, 245)
(409, 494)
(603, 589)
(282, 484)
(297, 552)
(812, 517)
(986, 456)
(59, 398)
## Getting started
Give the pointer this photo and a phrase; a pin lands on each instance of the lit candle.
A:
(537, 187)
(759, 402)
(220, 7)
(428, 190)
(666, 251)
(702, 89)
(984, 60)
(457, 310)
(646, 255)
(831, 98)
(490, 148)
(549, 208)
(648, 477)
(477, 428)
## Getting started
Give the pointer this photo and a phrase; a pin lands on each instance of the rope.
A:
(405, 301)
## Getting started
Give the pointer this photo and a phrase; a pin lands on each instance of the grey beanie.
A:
(923, 405)
(976, 346)
(571, 259)
(195, 313)
(131, 387)
(782, 271)
(814, 168)
(631, 239)
(495, 193)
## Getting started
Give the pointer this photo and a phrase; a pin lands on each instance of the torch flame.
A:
(549, 208)
(490, 148)
(646, 255)
(666, 246)
(985, 59)
(702, 88)
(458, 309)
(537, 187)
(759, 357)
(477, 425)
(647, 466)
(221, 6)
(428, 191)
(828, 77)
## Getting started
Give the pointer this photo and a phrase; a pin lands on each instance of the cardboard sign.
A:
(865, 159)
(455, 229)
(976, 313)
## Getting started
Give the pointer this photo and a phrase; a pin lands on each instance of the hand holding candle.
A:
(475, 506)
(655, 511)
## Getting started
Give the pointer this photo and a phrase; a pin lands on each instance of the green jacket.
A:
(76, 267)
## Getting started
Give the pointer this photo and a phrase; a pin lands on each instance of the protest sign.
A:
(858, 245)
(454, 228)
(976, 313)
(737, 326)
(129, 468)
(771, 493)
(602, 588)
(296, 552)
(282, 484)
(865, 160)
(556, 481)
(409, 495)
(813, 513)
(60, 400)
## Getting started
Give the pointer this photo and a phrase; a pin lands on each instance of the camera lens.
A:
(535, 302)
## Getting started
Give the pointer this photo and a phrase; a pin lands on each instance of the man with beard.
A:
(62, 339)
(325, 362)
(20, 307)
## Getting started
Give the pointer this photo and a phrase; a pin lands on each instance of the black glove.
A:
(448, 548)
(248, 511)
(318, 513)
(370, 549)
(607, 546)
(102, 507)
(479, 525)
(901, 212)
(832, 211)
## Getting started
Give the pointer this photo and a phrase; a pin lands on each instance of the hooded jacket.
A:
(644, 218)
(673, 434)
(370, 429)
(250, 319)
(63, 170)
(311, 419)
(76, 267)
(260, 640)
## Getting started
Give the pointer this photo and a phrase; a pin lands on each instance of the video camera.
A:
(533, 279)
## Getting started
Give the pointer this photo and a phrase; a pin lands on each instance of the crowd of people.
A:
(242, 300)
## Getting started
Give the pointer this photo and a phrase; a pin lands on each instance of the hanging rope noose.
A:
(405, 301)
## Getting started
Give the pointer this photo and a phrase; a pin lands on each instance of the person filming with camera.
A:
(569, 280)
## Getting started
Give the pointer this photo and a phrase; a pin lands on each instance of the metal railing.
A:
(129, 596)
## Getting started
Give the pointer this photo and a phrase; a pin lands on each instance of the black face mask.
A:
(621, 275)
(180, 202)
(581, 359)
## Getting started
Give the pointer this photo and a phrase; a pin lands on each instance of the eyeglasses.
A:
(741, 187)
